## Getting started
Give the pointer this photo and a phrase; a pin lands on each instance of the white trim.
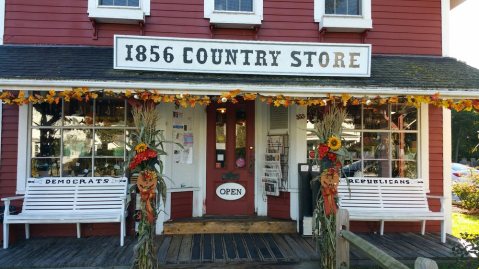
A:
(118, 14)
(199, 197)
(2, 20)
(1, 130)
(23, 156)
(234, 19)
(297, 154)
(260, 135)
(215, 88)
(445, 23)
(423, 150)
(447, 160)
(343, 23)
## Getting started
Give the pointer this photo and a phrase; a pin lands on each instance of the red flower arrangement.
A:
(141, 157)
(323, 150)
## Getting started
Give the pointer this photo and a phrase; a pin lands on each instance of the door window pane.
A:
(240, 148)
(220, 137)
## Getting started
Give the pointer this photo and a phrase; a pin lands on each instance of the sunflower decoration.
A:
(141, 147)
(334, 143)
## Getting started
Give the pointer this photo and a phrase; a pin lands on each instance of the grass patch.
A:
(464, 223)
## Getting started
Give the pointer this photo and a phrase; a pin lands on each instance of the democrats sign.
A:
(241, 57)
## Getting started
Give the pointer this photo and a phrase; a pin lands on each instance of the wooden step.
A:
(229, 225)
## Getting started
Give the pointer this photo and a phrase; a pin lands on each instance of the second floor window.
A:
(234, 5)
(120, 3)
(343, 7)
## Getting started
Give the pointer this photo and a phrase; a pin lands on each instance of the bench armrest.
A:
(441, 199)
(12, 198)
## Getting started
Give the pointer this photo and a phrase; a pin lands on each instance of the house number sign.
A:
(230, 191)
(241, 57)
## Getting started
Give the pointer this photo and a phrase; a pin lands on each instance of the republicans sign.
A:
(241, 57)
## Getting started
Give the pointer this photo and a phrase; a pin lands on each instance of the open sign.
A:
(230, 191)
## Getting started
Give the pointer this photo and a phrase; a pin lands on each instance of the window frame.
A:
(234, 19)
(63, 127)
(340, 22)
(390, 132)
(118, 14)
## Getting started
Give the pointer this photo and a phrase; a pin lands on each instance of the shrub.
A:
(468, 251)
(468, 192)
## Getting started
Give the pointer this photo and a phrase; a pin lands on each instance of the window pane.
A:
(246, 5)
(376, 117)
(341, 7)
(77, 143)
(133, 3)
(376, 169)
(376, 146)
(109, 142)
(352, 142)
(45, 167)
(109, 167)
(46, 114)
(220, 137)
(76, 167)
(78, 113)
(329, 6)
(110, 112)
(353, 121)
(46, 142)
(404, 168)
(403, 117)
(232, 5)
(106, 2)
(404, 146)
(353, 7)
(220, 4)
(240, 149)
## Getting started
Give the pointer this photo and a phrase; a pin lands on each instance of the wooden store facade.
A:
(383, 60)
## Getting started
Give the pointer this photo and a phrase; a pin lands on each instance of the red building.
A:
(231, 44)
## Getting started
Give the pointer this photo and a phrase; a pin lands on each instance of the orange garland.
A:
(187, 100)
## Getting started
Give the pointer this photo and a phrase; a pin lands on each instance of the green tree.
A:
(465, 141)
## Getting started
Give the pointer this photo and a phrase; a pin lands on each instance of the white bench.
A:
(70, 200)
(389, 199)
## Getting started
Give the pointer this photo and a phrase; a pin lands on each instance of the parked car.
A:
(462, 173)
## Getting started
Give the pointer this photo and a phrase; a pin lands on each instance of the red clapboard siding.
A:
(399, 27)
(181, 205)
(279, 207)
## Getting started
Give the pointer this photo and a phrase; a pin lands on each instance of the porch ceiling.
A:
(68, 66)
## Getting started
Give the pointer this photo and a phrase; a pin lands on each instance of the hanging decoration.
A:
(145, 161)
(329, 156)
(189, 100)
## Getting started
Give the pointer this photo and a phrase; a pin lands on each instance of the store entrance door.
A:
(230, 159)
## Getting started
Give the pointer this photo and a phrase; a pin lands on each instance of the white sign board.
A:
(241, 57)
(230, 191)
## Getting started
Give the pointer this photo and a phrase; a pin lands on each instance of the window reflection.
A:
(109, 142)
(376, 117)
(46, 114)
(220, 137)
(109, 167)
(240, 148)
(76, 167)
(78, 113)
(110, 112)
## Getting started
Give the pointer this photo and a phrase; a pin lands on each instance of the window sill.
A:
(335, 23)
(235, 20)
(117, 15)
